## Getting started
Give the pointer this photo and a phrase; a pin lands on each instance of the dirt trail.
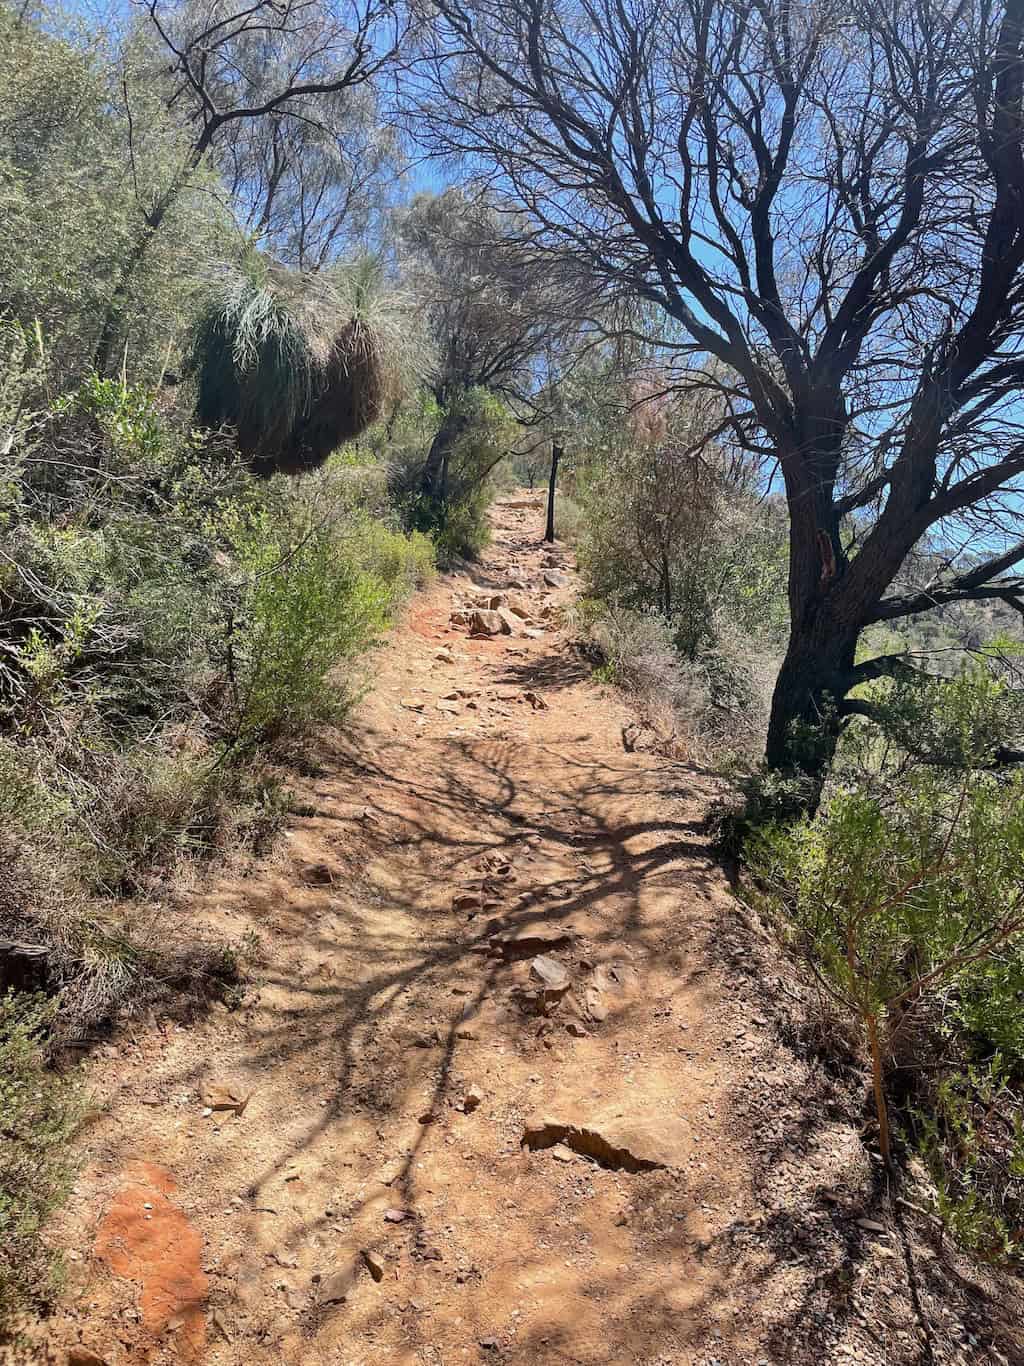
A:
(335, 1171)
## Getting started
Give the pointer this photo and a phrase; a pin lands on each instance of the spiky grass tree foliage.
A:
(297, 364)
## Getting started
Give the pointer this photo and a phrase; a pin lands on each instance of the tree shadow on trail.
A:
(360, 1002)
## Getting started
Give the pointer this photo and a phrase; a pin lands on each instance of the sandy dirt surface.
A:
(511, 1080)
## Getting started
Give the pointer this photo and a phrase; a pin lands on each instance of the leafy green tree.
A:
(69, 204)
(236, 78)
(493, 312)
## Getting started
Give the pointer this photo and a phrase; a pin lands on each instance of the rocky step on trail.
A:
(509, 1080)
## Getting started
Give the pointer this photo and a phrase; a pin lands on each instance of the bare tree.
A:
(232, 67)
(827, 200)
(314, 187)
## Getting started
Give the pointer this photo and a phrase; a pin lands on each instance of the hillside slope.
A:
(513, 1079)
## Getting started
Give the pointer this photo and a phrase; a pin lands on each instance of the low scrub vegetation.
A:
(684, 574)
(164, 619)
(39, 1112)
(904, 895)
(167, 623)
(455, 513)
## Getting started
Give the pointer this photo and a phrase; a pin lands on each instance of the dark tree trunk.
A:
(113, 318)
(114, 315)
(556, 456)
(434, 480)
(825, 619)
(814, 678)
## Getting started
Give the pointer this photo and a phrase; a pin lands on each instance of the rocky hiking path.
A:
(507, 1084)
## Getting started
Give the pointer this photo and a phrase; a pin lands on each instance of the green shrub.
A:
(568, 519)
(958, 722)
(319, 583)
(664, 533)
(39, 1112)
(459, 525)
(66, 235)
(155, 602)
(456, 520)
(971, 1138)
(895, 903)
(402, 563)
(674, 547)
(708, 708)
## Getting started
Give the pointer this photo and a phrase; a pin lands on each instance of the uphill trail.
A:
(504, 1085)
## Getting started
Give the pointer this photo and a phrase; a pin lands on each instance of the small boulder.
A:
(555, 578)
(596, 1008)
(551, 976)
(373, 1263)
(487, 623)
(334, 1287)
(218, 1096)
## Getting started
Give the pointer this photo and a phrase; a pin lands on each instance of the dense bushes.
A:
(159, 609)
(456, 516)
(317, 582)
(70, 199)
(38, 1114)
(165, 619)
(905, 895)
(686, 573)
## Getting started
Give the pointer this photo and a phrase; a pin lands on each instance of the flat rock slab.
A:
(513, 944)
(551, 975)
(623, 1142)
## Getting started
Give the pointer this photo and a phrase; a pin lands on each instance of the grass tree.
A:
(296, 363)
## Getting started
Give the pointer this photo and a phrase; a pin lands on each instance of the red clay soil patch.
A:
(147, 1239)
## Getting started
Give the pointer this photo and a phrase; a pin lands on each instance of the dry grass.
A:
(706, 711)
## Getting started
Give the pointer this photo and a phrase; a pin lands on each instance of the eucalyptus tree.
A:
(319, 187)
(827, 199)
(264, 91)
(495, 311)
